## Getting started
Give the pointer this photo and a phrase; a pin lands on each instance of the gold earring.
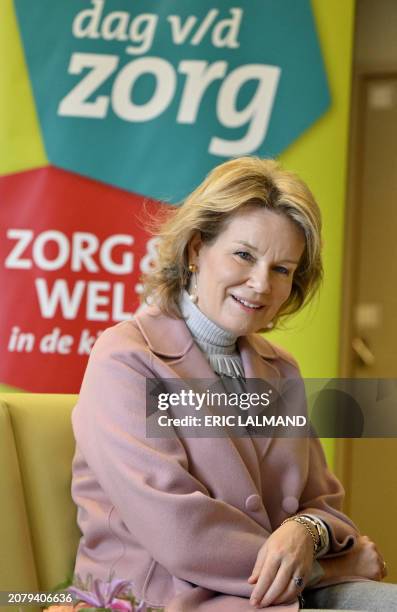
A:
(193, 281)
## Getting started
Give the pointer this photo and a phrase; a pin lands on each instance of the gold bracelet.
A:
(320, 530)
(309, 529)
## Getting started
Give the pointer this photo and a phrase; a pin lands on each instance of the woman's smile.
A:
(247, 305)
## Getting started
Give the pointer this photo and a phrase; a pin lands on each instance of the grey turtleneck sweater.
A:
(218, 344)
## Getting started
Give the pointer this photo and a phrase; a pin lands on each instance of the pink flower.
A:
(122, 604)
(105, 595)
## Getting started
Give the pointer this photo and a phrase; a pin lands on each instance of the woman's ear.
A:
(193, 248)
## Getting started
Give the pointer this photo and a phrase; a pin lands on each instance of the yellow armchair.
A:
(38, 530)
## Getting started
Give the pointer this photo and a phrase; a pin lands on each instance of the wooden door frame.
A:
(343, 446)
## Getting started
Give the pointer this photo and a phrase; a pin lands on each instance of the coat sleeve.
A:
(168, 511)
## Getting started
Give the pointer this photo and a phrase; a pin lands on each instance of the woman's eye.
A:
(244, 255)
(282, 270)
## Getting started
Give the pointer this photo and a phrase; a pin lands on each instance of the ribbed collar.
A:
(202, 328)
(217, 343)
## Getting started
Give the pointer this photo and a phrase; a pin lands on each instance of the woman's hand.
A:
(286, 554)
(364, 560)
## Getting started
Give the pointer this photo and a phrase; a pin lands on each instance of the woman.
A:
(226, 523)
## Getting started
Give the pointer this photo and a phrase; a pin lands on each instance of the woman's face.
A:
(245, 275)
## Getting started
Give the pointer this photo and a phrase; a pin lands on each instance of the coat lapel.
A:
(170, 340)
(258, 357)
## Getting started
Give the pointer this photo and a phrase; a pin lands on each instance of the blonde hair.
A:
(228, 188)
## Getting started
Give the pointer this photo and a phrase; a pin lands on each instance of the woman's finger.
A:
(265, 579)
(293, 588)
(284, 587)
(277, 587)
(258, 564)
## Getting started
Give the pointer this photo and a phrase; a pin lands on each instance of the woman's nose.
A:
(260, 281)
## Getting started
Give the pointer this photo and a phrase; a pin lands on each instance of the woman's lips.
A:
(247, 305)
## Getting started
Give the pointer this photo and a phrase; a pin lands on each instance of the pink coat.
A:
(185, 519)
